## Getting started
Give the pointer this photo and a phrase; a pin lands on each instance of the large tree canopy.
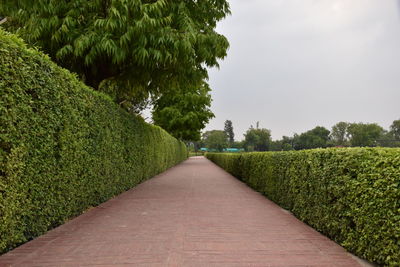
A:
(133, 48)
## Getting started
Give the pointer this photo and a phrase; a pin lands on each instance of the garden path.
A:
(194, 214)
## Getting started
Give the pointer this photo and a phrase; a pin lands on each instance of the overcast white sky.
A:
(296, 64)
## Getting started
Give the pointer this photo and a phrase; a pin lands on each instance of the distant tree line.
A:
(342, 134)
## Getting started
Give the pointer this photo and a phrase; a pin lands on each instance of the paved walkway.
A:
(194, 214)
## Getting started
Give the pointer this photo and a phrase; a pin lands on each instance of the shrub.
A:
(63, 146)
(351, 195)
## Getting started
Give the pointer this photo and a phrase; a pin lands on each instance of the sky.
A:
(296, 64)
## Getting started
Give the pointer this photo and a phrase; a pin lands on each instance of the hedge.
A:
(63, 146)
(352, 195)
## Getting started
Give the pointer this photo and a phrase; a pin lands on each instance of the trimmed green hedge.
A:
(351, 195)
(63, 146)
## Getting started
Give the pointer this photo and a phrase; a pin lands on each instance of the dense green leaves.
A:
(131, 49)
(367, 134)
(216, 140)
(395, 130)
(63, 146)
(343, 134)
(315, 138)
(339, 134)
(257, 139)
(285, 144)
(228, 129)
(350, 194)
(184, 112)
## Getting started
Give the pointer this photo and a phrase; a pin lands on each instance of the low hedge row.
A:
(351, 195)
(63, 146)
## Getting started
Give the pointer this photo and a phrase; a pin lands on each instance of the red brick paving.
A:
(194, 214)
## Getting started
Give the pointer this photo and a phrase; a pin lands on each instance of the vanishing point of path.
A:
(194, 214)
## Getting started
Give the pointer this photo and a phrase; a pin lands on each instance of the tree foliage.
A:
(285, 144)
(315, 138)
(342, 134)
(132, 49)
(257, 139)
(364, 134)
(339, 134)
(185, 112)
(395, 129)
(215, 140)
(228, 129)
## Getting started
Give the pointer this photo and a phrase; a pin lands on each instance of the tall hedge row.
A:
(64, 147)
(351, 195)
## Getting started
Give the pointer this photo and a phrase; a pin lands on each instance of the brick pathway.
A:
(194, 214)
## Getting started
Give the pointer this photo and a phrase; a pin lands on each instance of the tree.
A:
(285, 144)
(395, 129)
(184, 113)
(315, 138)
(238, 144)
(257, 139)
(339, 134)
(367, 134)
(228, 129)
(387, 139)
(215, 139)
(132, 49)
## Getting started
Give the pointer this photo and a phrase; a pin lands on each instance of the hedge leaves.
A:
(63, 146)
(351, 195)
